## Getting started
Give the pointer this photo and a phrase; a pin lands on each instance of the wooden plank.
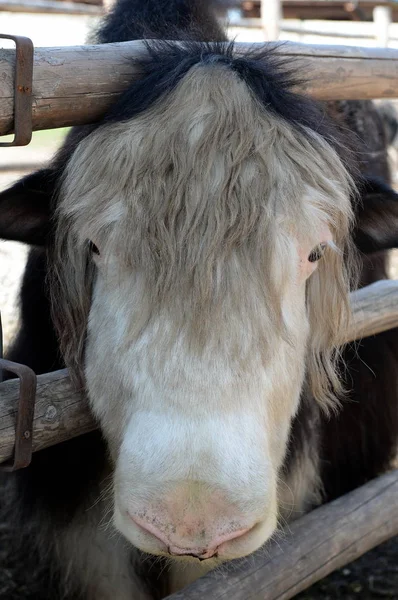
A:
(374, 309)
(317, 3)
(317, 9)
(62, 413)
(313, 4)
(50, 6)
(334, 13)
(93, 2)
(315, 545)
(304, 29)
(75, 85)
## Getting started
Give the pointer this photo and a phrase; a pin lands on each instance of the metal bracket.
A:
(25, 411)
(22, 90)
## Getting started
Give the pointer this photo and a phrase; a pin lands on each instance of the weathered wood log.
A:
(315, 545)
(62, 413)
(374, 309)
(75, 85)
(309, 29)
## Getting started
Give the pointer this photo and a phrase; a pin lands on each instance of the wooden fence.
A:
(357, 10)
(73, 86)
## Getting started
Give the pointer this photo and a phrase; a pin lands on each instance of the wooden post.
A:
(271, 15)
(382, 20)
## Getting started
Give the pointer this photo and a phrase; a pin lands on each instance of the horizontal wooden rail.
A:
(285, 26)
(75, 85)
(62, 413)
(374, 309)
(363, 33)
(315, 545)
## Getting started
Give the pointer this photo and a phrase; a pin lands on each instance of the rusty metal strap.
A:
(25, 411)
(22, 90)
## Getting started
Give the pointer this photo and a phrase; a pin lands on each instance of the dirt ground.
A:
(374, 575)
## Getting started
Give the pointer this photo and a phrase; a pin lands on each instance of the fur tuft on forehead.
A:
(269, 75)
(204, 194)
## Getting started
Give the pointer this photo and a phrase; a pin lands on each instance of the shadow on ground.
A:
(374, 575)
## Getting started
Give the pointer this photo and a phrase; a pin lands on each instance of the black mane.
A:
(269, 75)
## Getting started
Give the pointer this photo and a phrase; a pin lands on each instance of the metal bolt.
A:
(26, 435)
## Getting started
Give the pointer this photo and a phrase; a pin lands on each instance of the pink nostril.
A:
(150, 529)
(230, 536)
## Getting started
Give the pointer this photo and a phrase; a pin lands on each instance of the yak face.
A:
(199, 272)
(199, 224)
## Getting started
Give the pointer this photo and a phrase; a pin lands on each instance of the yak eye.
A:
(317, 253)
(93, 248)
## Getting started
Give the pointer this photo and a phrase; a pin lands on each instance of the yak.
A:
(192, 255)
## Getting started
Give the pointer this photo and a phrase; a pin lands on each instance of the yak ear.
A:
(377, 217)
(25, 208)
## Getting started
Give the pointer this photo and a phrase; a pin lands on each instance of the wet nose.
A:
(202, 552)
